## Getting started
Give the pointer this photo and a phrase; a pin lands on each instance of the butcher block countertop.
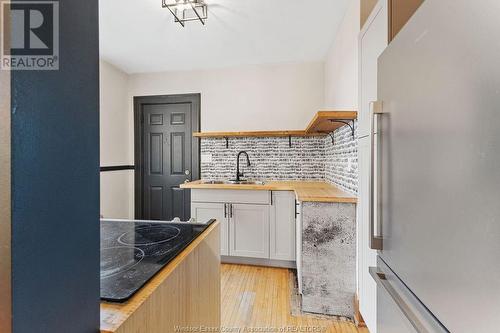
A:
(307, 191)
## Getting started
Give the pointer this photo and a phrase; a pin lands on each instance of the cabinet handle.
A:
(231, 210)
(271, 198)
(376, 108)
(296, 212)
(225, 210)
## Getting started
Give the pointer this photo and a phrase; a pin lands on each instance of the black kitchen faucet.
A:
(238, 173)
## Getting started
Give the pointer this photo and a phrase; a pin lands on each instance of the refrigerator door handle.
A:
(381, 280)
(376, 108)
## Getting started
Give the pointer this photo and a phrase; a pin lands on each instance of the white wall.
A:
(341, 65)
(114, 142)
(260, 97)
(113, 115)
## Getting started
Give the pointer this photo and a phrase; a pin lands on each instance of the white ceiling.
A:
(139, 36)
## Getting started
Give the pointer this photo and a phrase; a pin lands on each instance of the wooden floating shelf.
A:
(255, 134)
(320, 125)
(322, 121)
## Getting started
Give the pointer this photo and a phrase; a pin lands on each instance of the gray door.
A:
(439, 81)
(167, 155)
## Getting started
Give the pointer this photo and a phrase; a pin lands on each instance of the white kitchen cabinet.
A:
(255, 225)
(367, 288)
(298, 245)
(231, 196)
(282, 226)
(205, 211)
(249, 231)
(373, 40)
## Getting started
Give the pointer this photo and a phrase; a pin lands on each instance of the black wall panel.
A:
(55, 183)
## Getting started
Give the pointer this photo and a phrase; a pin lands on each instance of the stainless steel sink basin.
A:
(245, 182)
(213, 182)
(241, 182)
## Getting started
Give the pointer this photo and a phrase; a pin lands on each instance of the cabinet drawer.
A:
(231, 196)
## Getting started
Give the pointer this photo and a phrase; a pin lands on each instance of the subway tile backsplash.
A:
(270, 158)
(309, 158)
(341, 159)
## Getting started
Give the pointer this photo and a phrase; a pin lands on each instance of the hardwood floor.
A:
(259, 298)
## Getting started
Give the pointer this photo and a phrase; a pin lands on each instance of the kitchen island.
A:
(184, 294)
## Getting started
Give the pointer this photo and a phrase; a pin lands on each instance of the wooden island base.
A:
(183, 295)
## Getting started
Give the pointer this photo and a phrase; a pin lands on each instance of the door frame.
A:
(195, 99)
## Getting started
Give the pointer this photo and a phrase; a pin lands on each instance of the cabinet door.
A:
(373, 40)
(249, 231)
(282, 231)
(298, 247)
(367, 288)
(203, 212)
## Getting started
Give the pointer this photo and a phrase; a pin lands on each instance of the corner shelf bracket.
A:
(349, 123)
(331, 136)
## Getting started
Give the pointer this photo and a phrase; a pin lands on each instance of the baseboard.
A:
(258, 262)
(358, 318)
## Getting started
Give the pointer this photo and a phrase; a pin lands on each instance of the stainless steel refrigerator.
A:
(437, 165)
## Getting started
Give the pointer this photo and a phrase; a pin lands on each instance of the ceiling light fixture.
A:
(187, 10)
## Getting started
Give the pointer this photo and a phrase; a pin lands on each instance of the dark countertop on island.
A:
(114, 315)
